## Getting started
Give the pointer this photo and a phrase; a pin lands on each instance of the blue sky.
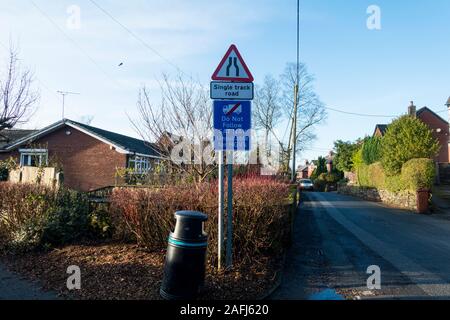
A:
(356, 69)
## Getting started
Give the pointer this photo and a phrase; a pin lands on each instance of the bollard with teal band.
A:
(184, 269)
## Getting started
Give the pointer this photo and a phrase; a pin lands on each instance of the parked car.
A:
(306, 184)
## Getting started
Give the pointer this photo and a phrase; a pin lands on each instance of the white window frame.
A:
(141, 164)
(39, 153)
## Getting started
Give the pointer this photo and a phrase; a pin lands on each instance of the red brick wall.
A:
(87, 162)
(435, 123)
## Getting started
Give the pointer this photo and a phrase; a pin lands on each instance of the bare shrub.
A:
(260, 215)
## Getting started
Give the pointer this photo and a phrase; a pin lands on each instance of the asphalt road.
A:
(13, 287)
(338, 237)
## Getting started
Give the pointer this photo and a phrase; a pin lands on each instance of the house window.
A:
(33, 157)
(139, 164)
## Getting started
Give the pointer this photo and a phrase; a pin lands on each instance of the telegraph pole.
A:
(64, 94)
(294, 125)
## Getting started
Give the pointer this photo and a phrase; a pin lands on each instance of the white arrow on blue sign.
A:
(232, 124)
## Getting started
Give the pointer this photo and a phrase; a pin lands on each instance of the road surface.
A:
(13, 287)
(338, 237)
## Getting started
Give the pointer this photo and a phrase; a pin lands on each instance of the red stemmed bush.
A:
(260, 214)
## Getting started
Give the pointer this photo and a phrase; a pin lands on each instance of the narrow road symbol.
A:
(232, 61)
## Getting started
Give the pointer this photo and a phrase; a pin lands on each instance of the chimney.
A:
(412, 110)
(448, 103)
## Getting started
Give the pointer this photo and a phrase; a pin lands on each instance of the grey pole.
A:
(221, 209)
(294, 155)
(229, 260)
(296, 88)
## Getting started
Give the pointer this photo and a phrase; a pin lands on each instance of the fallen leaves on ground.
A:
(126, 271)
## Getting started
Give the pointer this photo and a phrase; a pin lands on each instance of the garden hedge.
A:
(415, 174)
(260, 215)
(37, 216)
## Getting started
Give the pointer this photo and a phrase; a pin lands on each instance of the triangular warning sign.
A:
(232, 67)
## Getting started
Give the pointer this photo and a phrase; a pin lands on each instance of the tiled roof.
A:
(125, 142)
(128, 144)
(8, 136)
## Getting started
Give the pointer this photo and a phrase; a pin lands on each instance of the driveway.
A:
(338, 237)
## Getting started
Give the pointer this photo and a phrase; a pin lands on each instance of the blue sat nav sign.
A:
(232, 124)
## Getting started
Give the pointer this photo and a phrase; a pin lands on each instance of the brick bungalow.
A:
(438, 126)
(88, 156)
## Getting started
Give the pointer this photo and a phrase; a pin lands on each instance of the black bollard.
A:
(184, 269)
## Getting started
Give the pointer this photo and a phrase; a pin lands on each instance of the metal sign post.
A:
(221, 209)
(233, 82)
(229, 260)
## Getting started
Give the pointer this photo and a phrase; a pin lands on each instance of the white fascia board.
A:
(33, 150)
(149, 156)
(118, 148)
(34, 135)
(62, 123)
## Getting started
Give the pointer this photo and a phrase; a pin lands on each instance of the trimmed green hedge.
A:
(418, 174)
(406, 138)
(415, 174)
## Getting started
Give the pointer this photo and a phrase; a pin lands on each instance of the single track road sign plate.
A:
(232, 90)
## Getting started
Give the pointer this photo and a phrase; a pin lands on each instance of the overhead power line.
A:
(361, 114)
(139, 39)
(45, 15)
(371, 115)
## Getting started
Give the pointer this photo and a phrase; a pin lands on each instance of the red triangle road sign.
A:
(232, 67)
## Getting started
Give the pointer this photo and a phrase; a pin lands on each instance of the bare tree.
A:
(17, 97)
(311, 111)
(267, 107)
(184, 111)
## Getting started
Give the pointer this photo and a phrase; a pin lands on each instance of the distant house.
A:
(303, 171)
(168, 140)
(438, 126)
(380, 130)
(311, 167)
(89, 156)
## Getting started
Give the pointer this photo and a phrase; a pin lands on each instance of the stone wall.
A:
(403, 200)
(351, 177)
